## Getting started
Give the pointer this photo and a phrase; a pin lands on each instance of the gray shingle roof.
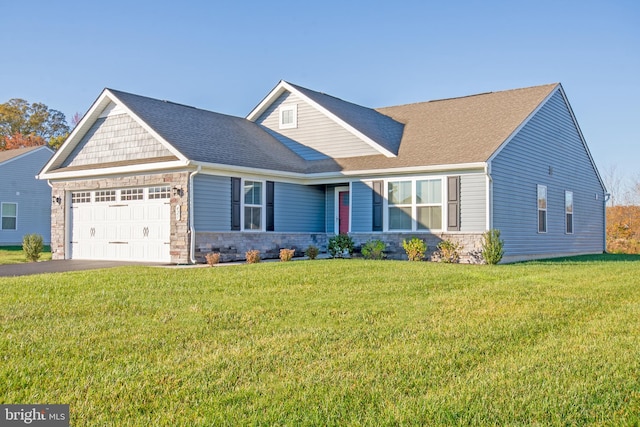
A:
(382, 129)
(12, 154)
(443, 132)
(210, 137)
(455, 131)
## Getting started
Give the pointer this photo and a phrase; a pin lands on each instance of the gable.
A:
(116, 137)
(316, 136)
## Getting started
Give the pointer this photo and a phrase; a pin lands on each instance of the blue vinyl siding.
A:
(212, 203)
(32, 196)
(361, 207)
(547, 151)
(299, 208)
(473, 203)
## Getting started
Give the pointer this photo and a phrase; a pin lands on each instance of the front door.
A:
(342, 204)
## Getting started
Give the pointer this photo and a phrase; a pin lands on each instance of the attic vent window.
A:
(288, 116)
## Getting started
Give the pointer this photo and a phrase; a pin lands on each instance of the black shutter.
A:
(453, 203)
(270, 218)
(236, 194)
(378, 187)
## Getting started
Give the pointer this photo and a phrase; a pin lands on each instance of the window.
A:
(428, 204)
(132, 194)
(415, 204)
(400, 205)
(542, 208)
(288, 116)
(106, 196)
(9, 216)
(81, 197)
(253, 205)
(163, 192)
(568, 211)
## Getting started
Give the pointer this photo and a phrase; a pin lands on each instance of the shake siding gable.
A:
(299, 208)
(316, 135)
(113, 139)
(548, 151)
(212, 203)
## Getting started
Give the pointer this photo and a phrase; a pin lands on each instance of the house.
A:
(146, 179)
(25, 202)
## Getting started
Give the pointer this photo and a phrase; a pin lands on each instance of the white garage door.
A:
(127, 224)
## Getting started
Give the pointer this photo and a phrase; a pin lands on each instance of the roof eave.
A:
(117, 170)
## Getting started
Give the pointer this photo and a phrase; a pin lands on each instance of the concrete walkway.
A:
(61, 266)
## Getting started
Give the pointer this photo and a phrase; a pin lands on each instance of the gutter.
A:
(192, 229)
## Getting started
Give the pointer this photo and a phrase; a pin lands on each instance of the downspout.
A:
(489, 206)
(192, 228)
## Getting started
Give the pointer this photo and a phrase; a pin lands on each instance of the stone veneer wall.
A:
(470, 252)
(179, 227)
(233, 245)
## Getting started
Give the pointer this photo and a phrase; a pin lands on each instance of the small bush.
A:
(32, 246)
(312, 252)
(373, 249)
(449, 251)
(212, 258)
(286, 254)
(492, 247)
(252, 256)
(339, 244)
(415, 249)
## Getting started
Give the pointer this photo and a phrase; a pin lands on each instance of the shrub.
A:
(32, 246)
(312, 252)
(373, 249)
(339, 244)
(253, 256)
(449, 251)
(286, 254)
(415, 248)
(492, 247)
(212, 258)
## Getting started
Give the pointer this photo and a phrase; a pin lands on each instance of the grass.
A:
(15, 255)
(332, 342)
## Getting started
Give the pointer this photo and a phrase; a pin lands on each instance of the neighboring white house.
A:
(145, 179)
(25, 202)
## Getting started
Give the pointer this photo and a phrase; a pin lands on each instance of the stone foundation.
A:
(232, 246)
(470, 252)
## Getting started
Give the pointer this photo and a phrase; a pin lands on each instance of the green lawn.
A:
(329, 342)
(15, 255)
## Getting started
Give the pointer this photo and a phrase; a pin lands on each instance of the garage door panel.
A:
(133, 231)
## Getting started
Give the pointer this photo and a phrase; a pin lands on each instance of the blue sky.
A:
(226, 56)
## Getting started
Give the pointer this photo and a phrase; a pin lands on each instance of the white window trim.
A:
(284, 108)
(545, 209)
(573, 209)
(2, 216)
(414, 204)
(263, 205)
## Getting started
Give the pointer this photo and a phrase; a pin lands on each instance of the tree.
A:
(24, 123)
(18, 140)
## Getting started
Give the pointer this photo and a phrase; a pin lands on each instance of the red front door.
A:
(343, 212)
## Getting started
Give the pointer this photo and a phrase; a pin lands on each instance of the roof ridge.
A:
(467, 96)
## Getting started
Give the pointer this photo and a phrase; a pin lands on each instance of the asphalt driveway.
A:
(60, 266)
